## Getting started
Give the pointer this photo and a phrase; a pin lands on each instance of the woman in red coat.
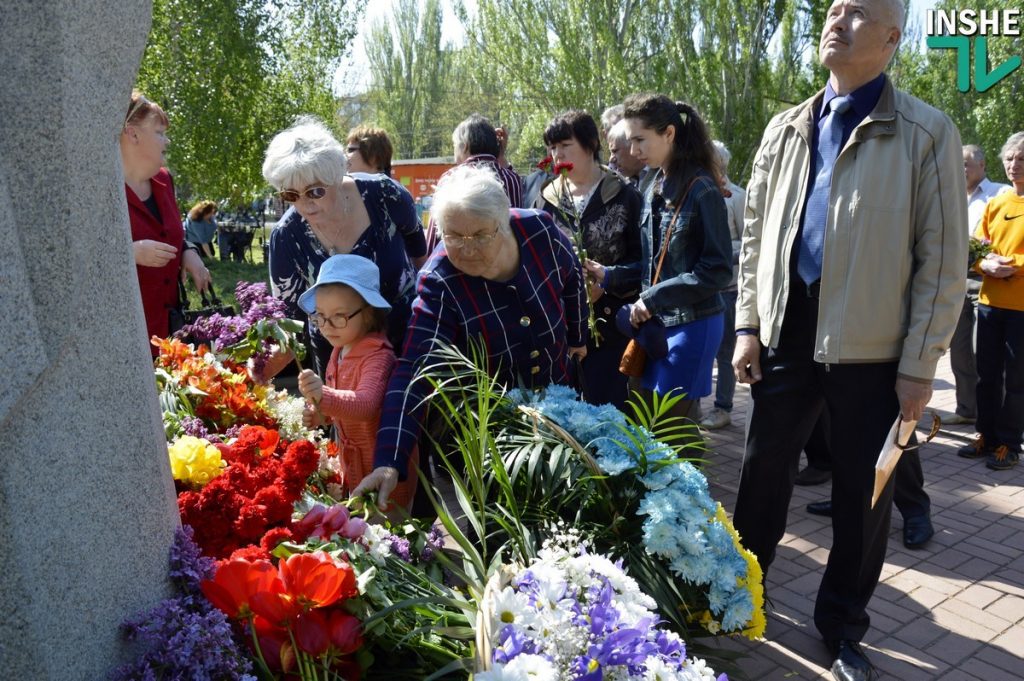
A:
(158, 239)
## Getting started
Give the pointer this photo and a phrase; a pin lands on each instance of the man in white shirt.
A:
(961, 348)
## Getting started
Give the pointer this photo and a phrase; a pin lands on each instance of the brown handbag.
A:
(635, 357)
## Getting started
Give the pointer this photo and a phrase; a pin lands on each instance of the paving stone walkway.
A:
(953, 610)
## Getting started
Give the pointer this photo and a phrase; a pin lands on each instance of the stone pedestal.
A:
(87, 510)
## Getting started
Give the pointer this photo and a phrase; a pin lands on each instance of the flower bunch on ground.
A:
(259, 330)
(194, 460)
(339, 596)
(293, 612)
(254, 494)
(577, 616)
(184, 637)
(683, 527)
(202, 394)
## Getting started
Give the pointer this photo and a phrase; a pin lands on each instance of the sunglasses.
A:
(138, 105)
(291, 196)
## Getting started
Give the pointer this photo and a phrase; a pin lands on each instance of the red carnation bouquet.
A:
(236, 513)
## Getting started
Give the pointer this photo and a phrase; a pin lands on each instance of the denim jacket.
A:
(698, 264)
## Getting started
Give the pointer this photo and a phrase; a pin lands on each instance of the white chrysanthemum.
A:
(697, 669)
(657, 669)
(499, 673)
(532, 668)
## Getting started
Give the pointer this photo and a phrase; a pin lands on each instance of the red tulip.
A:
(311, 635)
(278, 652)
(564, 166)
(278, 608)
(345, 631)
(316, 581)
(235, 584)
(545, 164)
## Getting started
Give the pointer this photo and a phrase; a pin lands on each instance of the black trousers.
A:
(787, 403)
(908, 495)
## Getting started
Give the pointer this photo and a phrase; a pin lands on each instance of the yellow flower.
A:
(754, 581)
(194, 460)
(709, 622)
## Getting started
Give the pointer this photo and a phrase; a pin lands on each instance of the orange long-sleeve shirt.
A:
(1003, 225)
(353, 394)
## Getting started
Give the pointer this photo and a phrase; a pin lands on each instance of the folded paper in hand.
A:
(900, 433)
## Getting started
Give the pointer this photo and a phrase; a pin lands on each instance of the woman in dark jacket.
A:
(593, 201)
(684, 204)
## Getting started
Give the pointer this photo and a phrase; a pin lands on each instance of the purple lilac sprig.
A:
(217, 329)
(194, 426)
(435, 542)
(184, 637)
(256, 305)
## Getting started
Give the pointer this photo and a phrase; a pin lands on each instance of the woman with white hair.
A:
(505, 277)
(331, 213)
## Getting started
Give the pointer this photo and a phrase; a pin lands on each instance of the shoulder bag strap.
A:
(668, 233)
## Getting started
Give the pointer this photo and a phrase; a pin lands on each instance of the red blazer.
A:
(159, 285)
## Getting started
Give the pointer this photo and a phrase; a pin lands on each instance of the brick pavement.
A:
(952, 611)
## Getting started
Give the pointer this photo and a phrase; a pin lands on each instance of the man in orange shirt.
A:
(1000, 421)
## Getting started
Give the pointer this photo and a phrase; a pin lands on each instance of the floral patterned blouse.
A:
(393, 238)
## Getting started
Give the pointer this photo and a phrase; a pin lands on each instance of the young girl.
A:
(347, 307)
(683, 206)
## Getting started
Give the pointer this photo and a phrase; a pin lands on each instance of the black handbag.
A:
(210, 305)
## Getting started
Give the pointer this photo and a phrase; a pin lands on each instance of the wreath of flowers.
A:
(684, 526)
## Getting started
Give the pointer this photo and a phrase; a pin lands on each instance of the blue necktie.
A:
(812, 241)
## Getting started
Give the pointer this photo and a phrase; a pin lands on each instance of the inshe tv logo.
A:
(957, 29)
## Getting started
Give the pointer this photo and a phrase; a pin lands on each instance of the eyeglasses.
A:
(335, 321)
(291, 196)
(461, 241)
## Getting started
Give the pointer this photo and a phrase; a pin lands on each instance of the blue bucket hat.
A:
(352, 270)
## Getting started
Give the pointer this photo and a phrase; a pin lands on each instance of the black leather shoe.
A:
(917, 531)
(820, 508)
(812, 476)
(851, 664)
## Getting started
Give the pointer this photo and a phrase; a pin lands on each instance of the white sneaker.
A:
(716, 418)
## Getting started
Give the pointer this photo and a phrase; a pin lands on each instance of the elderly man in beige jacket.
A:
(851, 282)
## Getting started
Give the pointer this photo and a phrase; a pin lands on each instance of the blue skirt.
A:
(691, 354)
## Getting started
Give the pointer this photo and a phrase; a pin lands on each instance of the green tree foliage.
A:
(526, 60)
(986, 118)
(411, 77)
(231, 73)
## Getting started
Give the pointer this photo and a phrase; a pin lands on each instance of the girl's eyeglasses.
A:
(335, 321)
(291, 196)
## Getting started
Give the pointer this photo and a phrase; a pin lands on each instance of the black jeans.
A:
(1001, 376)
(787, 404)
